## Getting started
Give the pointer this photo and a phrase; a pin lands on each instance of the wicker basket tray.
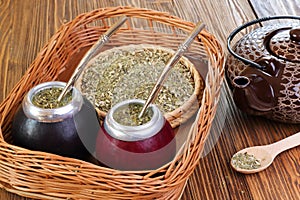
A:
(47, 176)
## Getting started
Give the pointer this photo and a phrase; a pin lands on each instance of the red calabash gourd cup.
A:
(143, 147)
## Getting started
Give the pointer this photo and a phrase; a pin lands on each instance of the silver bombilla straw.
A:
(172, 61)
(88, 55)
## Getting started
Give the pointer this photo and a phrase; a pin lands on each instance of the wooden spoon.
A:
(266, 153)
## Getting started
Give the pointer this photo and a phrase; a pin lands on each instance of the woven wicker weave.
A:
(47, 176)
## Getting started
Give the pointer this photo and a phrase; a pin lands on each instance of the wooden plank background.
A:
(27, 25)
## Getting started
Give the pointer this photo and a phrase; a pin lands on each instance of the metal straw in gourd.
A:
(91, 52)
(173, 60)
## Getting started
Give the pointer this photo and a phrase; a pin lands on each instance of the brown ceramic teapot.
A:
(263, 68)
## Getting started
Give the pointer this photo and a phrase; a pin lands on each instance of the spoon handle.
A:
(285, 144)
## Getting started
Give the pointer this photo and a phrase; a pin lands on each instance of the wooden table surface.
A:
(25, 26)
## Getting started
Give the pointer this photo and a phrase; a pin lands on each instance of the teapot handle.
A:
(238, 29)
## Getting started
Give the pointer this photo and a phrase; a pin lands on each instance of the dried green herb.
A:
(245, 161)
(131, 74)
(47, 98)
(128, 115)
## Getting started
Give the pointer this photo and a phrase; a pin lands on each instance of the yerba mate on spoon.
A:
(255, 159)
(91, 52)
(173, 60)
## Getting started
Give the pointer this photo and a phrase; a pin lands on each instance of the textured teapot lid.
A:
(285, 43)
